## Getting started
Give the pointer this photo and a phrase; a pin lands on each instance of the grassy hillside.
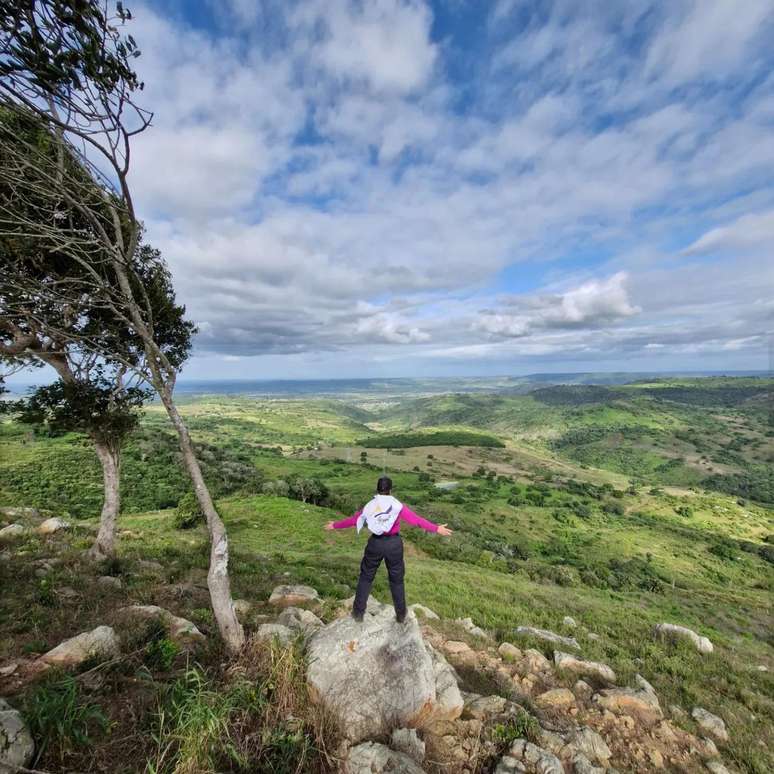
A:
(621, 506)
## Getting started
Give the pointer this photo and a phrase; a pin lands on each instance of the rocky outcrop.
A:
(50, 526)
(532, 759)
(509, 652)
(468, 625)
(637, 702)
(710, 723)
(667, 631)
(556, 698)
(566, 662)
(270, 631)
(378, 675)
(242, 608)
(16, 745)
(424, 612)
(181, 631)
(292, 596)
(374, 758)
(407, 741)
(101, 642)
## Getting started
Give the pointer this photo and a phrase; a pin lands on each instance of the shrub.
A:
(188, 512)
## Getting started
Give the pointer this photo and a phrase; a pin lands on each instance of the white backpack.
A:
(379, 514)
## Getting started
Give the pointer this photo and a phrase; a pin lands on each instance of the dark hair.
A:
(384, 485)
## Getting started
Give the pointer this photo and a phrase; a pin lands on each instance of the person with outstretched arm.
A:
(383, 515)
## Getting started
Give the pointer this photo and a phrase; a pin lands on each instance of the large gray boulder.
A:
(292, 596)
(566, 662)
(101, 642)
(668, 631)
(710, 723)
(375, 758)
(12, 532)
(299, 620)
(379, 675)
(16, 744)
(54, 524)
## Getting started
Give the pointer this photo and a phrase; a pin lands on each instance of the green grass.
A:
(430, 438)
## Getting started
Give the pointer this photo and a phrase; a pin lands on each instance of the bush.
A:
(188, 512)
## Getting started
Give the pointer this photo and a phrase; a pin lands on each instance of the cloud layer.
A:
(344, 187)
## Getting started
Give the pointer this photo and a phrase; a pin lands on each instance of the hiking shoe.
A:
(358, 617)
(400, 617)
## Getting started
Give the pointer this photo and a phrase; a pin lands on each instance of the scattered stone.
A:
(589, 743)
(16, 513)
(374, 758)
(631, 701)
(406, 741)
(49, 526)
(242, 608)
(674, 632)
(582, 765)
(468, 625)
(569, 621)
(583, 690)
(67, 592)
(269, 631)
(536, 758)
(457, 648)
(9, 669)
(100, 642)
(292, 596)
(556, 698)
(482, 707)
(509, 652)
(424, 612)
(707, 748)
(181, 630)
(593, 637)
(110, 582)
(644, 684)
(677, 712)
(12, 532)
(710, 723)
(150, 566)
(534, 661)
(378, 675)
(299, 620)
(568, 662)
(448, 701)
(16, 745)
(762, 668)
(544, 634)
(509, 765)
(716, 767)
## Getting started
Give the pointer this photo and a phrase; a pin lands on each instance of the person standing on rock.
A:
(383, 515)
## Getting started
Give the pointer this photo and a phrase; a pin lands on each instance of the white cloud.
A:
(748, 232)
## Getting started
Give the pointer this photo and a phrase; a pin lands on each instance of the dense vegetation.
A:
(436, 438)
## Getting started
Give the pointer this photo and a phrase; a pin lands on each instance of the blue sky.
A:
(398, 188)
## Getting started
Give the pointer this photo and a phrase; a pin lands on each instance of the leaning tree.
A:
(68, 63)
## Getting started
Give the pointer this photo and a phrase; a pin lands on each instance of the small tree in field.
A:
(66, 63)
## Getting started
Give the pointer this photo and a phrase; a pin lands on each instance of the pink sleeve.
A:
(407, 515)
(350, 521)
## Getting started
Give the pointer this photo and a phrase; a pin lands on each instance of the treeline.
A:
(437, 438)
(574, 395)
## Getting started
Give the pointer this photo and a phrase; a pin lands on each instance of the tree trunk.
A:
(217, 578)
(105, 545)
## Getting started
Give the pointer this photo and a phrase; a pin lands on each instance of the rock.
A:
(468, 625)
(677, 712)
(448, 700)
(556, 698)
(589, 743)
(269, 631)
(762, 668)
(707, 748)
(9, 669)
(12, 532)
(534, 661)
(16, 513)
(509, 652)
(242, 608)
(716, 767)
(406, 741)
(536, 758)
(377, 675)
(299, 620)
(16, 745)
(710, 723)
(374, 758)
(483, 707)
(49, 526)
(569, 621)
(424, 612)
(110, 582)
(181, 630)
(455, 647)
(101, 642)
(644, 684)
(373, 606)
(509, 765)
(674, 632)
(583, 690)
(656, 758)
(593, 637)
(568, 662)
(544, 634)
(630, 701)
(292, 596)
(150, 566)
(582, 765)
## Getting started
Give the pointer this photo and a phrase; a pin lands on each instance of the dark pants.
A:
(389, 548)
